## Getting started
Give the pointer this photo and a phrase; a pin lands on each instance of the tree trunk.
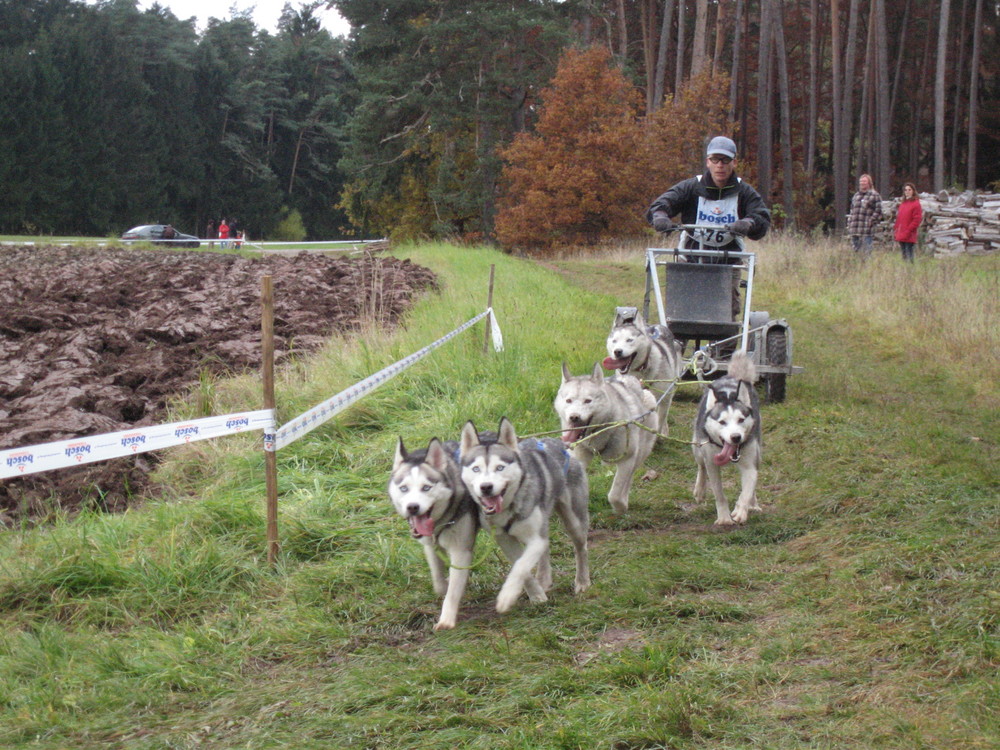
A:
(866, 118)
(737, 53)
(839, 184)
(622, 30)
(698, 56)
(765, 101)
(883, 119)
(661, 56)
(939, 98)
(850, 58)
(646, 17)
(904, 26)
(957, 106)
(920, 105)
(788, 186)
(720, 35)
(977, 26)
(679, 73)
(810, 160)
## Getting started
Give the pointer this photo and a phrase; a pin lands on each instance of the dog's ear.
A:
(639, 322)
(710, 398)
(436, 455)
(743, 393)
(400, 454)
(507, 435)
(565, 373)
(597, 375)
(470, 437)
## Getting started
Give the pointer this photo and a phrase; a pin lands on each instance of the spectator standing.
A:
(866, 212)
(210, 232)
(908, 218)
(223, 234)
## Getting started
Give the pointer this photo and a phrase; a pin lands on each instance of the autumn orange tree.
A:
(677, 133)
(576, 180)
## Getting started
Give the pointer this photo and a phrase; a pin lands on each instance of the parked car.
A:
(160, 234)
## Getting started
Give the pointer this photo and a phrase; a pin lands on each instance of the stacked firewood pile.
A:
(953, 223)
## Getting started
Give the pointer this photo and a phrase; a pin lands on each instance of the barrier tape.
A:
(33, 459)
(17, 462)
(310, 420)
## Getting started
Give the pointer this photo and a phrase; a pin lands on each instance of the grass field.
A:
(858, 610)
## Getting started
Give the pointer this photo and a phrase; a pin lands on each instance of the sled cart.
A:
(693, 287)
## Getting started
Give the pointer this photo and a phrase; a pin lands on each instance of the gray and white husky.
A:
(517, 485)
(727, 430)
(605, 417)
(426, 489)
(649, 352)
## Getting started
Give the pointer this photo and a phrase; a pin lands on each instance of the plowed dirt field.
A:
(98, 340)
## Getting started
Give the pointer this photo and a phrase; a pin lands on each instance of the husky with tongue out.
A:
(517, 485)
(727, 430)
(613, 418)
(426, 489)
(648, 352)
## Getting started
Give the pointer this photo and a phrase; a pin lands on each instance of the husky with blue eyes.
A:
(427, 490)
(517, 486)
(727, 430)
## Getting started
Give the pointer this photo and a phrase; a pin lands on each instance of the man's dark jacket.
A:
(682, 199)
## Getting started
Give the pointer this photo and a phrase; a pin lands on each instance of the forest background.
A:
(535, 122)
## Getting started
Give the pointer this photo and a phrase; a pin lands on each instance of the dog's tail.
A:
(742, 367)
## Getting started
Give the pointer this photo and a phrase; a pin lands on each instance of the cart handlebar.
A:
(709, 236)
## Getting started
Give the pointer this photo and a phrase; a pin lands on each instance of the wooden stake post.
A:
(489, 318)
(271, 456)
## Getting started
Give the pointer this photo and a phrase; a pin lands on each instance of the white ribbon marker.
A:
(16, 462)
(310, 420)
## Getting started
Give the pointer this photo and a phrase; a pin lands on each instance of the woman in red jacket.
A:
(908, 219)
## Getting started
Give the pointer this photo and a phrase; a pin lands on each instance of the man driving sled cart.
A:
(695, 284)
(716, 199)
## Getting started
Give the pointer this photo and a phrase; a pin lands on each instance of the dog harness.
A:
(539, 445)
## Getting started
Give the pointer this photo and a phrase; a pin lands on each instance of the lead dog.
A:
(649, 352)
(427, 490)
(517, 485)
(606, 417)
(727, 430)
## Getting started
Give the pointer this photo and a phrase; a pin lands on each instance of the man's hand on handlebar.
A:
(741, 227)
(663, 223)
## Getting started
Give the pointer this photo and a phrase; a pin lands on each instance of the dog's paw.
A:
(444, 624)
(618, 506)
(506, 601)
(740, 515)
(725, 521)
(580, 586)
(537, 597)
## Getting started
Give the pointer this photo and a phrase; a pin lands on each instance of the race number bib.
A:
(715, 217)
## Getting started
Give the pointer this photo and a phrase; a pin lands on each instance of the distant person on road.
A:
(223, 234)
(866, 212)
(908, 218)
(210, 232)
(717, 199)
(169, 232)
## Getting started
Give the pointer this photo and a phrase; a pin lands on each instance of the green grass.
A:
(858, 610)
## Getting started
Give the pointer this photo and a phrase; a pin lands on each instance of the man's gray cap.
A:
(721, 145)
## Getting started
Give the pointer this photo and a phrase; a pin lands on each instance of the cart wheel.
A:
(776, 347)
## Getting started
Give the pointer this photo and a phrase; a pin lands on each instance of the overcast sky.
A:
(265, 14)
